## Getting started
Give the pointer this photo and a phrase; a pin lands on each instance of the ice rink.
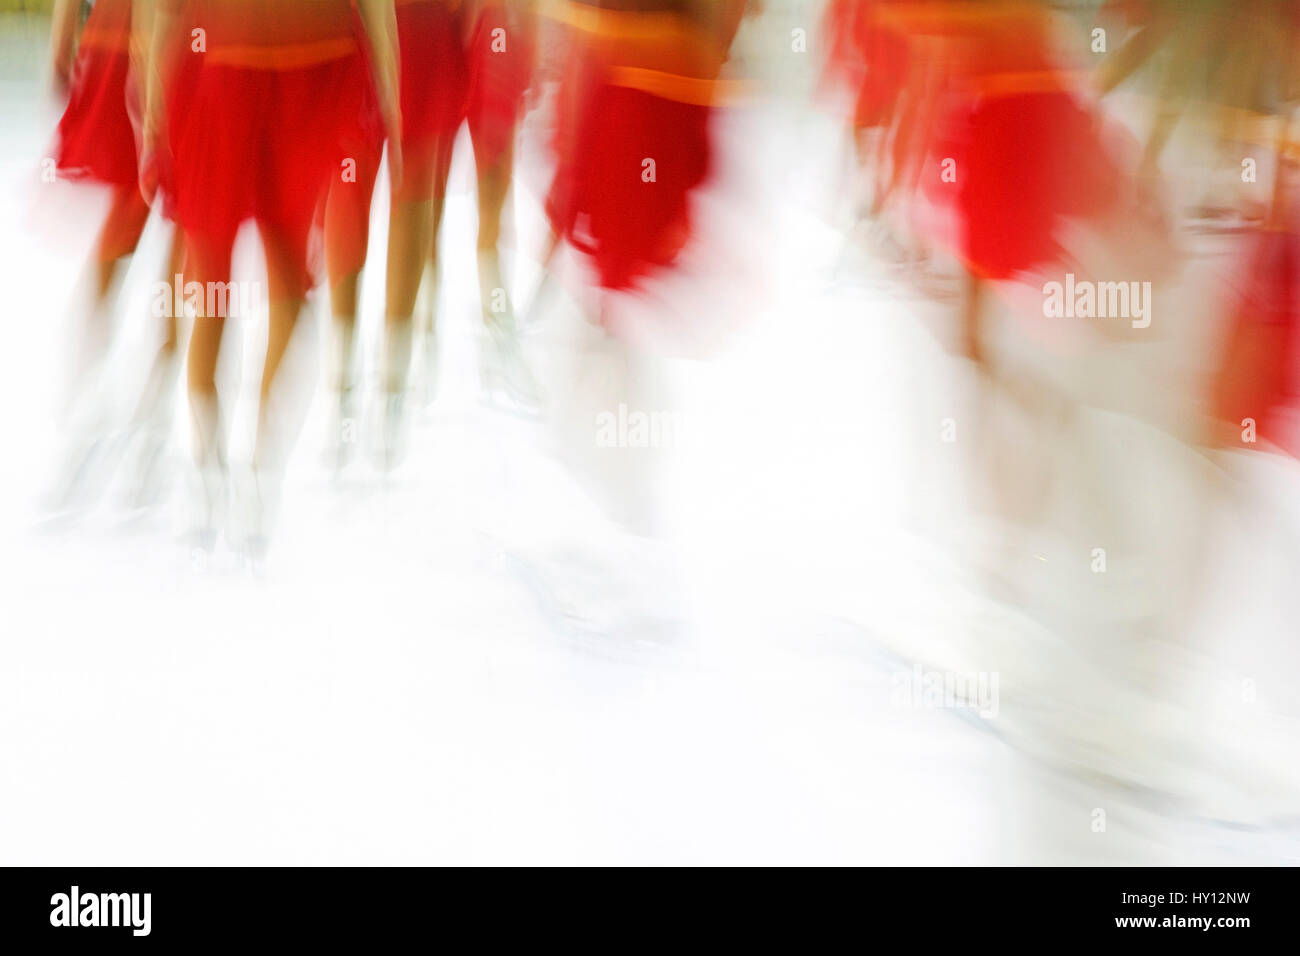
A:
(466, 661)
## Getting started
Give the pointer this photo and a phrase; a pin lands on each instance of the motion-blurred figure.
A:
(632, 130)
(1258, 380)
(461, 61)
(869, 57)
(102, 70)
(635, 107)
(280, 94)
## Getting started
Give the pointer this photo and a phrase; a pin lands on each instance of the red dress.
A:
(275, 99)
(638, 90)
(1259, 373)
(869, 55)
(434, 78)
(180, 112)
(444, 81)
(453, 71)
(502, 53)
(96, 140)
(1023, 148)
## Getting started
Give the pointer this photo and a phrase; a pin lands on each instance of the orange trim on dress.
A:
(1015, 83)
(659, 52)
(672, 86)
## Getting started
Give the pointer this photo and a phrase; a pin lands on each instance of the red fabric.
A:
(445, 82)
(1027, 150)
(1023, 163)
(434, 81)
(598, 200)
(180, 112)
(99, 135)
(869, 57)
(278, 28)
(347, 232)
(348, 226)
(267, 147)
(1258, 376)
(498, 80)
(887, 60)
(838, 26)
(433, 86)
(95, 139)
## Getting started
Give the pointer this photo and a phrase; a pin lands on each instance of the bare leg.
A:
(280, 408)
(428, 323)
(494, 173)
(437, 205)
(347, 235)
(277, 413)
(412, 231)
(972, 321)
(127, 215)
(501, 362)
(205, 349)
(152, 419)
(165, 369)
(416, 214)
(211, 264)
(88, 393)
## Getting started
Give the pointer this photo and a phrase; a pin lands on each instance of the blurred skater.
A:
(281, 90)
(102, 70)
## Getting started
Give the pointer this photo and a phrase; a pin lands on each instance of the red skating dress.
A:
(347, 228)
(1025, 149)
(96, 140)
(449, 72)
(638, 90)
(1258, 376)
(502, 54)
(282, 85)
(868, 54)
(180, 112)
(434, 79)
(1259, 373)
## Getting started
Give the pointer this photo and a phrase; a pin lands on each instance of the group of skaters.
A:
(982, 129)
(1025, 147)
(280, 112)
